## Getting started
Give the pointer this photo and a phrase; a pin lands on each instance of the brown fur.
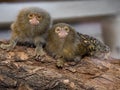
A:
(74, 46)
(68, 48)
(23, 31)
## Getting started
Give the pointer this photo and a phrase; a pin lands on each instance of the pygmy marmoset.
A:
(30, 26)
(64, 43)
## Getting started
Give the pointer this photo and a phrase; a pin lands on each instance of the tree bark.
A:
(20, 71)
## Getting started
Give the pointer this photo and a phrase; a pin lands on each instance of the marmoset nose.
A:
(34, 21)
(63, 33)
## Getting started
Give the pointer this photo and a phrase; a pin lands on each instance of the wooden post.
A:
(111, 33)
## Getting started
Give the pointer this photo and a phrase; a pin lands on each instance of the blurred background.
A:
(97, 18)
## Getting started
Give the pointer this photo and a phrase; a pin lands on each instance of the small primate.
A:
(65, 44)
(94, 47)
(30, 26)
